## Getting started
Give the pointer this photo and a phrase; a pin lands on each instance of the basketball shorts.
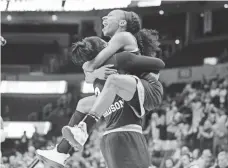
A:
(125, 150)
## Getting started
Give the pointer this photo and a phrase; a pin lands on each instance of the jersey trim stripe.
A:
(126, 128)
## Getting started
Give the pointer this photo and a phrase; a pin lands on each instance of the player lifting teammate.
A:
(128, 90)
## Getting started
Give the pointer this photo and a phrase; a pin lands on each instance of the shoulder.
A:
(122, 37)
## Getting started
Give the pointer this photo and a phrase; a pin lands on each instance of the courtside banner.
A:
(15, 130)
(33, 87)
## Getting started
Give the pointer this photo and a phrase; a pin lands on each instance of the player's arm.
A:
(117, 42)
(138, 63)
(90, 76)
(100, 73)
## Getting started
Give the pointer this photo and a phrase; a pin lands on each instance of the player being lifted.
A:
(133, 93)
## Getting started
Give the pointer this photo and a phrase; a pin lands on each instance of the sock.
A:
(64, 146)
(90, 121)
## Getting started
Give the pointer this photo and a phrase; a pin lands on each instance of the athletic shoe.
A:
(52, 158)
(76, 136)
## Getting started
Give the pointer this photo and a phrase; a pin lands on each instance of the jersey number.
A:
(97, 91)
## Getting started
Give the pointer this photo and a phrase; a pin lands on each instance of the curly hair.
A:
(133, 22)
(147, 40)
(86, 50)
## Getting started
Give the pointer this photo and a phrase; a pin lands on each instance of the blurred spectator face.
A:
(214, 85)
(223, 160)
(154, 116)
(221, 86)
(207, 125)
(184, 150)
(225, 83)
(69, 97)
(173, 103)
(12, 160)
(18, 154)
(49, 107)
(75, 165)
(62, 101)
(169, 163)
(185, 160)
(31, 149)
(4, 159)
(188, 87)
(207, 156)
(177, 117)
(6, 111)
(221, 112)
(195, 154)
(212, 118)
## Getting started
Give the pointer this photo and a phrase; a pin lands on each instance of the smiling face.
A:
(168, 163)
(185, 160)
(113, 22)
(223, 160)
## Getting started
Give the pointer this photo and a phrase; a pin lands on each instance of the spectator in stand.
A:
(222, 160)
(185, 161)
(222, 92)
(37, 139)
(161, 125)
(169, 163)
(152, 131)
(220, 132)
(195, 154)
(206, 135)
(6, 113)
(205, 160)
(24, 143)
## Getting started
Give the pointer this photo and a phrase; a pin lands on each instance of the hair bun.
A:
(79, 44)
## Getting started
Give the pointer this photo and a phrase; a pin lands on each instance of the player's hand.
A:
(104, 71)
(86, 67)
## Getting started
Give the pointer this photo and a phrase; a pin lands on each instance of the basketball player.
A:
(92, 46)
(120, 123)
(120, 26)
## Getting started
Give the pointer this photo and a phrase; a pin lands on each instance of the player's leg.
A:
(133, 63)
(58, 155)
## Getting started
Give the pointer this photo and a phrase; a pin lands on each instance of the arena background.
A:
(40, 86)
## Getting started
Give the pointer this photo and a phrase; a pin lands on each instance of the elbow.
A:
(88, 80)
(162, 64)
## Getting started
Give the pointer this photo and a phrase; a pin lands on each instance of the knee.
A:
(82, 106)
(112, 81)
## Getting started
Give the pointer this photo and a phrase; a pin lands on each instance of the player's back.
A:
(120, 113)
(123, 144)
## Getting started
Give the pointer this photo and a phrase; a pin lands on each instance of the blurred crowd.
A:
(191, 127)
(189, 130)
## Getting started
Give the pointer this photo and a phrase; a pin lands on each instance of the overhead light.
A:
(225, 5)
(87, 87)
(9, 17)
(210, 61)
(148, 3)
(161, 12)
(177, 41)
(202, 15)
(54, 17)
